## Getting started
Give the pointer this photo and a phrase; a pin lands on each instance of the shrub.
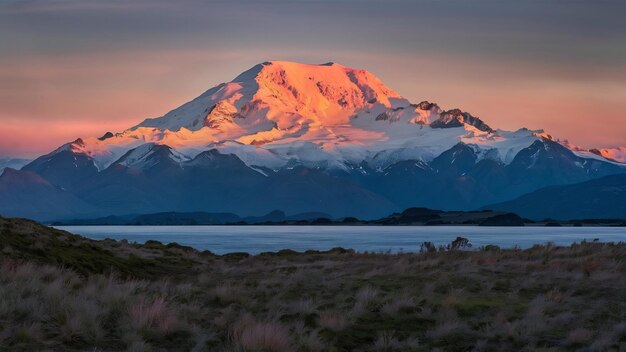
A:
(261, 336)
(333, 321)
(579, 336)
(153, 314)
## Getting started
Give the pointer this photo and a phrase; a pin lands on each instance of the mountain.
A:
(319, 116)
(64, 166)
(603, 198)
(27, 194)
(14, 163)
(616, 154)
(311, 138)
(196, 218)
(411, 216)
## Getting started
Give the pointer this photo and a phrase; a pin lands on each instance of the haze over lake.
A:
(257, 239)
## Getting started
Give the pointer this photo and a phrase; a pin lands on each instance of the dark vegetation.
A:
(63, 292)
(410, 216)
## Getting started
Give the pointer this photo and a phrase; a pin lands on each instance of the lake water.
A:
(256, 239)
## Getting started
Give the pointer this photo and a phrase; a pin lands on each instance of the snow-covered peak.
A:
(150, 154)
(281, 113)
(457, 118)
(282, 94)
(617, 154)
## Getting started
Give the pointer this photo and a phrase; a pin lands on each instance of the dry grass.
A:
(252, 335)
(543, 298)
(334, 321)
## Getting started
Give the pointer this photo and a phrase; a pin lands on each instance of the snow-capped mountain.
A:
(617, 154)
(14, 163)
(289, 128)
(316, 115)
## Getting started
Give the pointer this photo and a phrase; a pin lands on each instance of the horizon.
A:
(506, 64)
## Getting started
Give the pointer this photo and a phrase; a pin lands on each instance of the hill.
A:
(603, 198)
(63, 292)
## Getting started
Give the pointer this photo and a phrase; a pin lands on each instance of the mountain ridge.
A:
(327, 112)
(598, 198)
(312, 138)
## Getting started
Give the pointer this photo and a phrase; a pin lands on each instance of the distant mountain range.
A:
(197, 218)
(302, 138)
(411, 216)
(600, 198)
(14, 163)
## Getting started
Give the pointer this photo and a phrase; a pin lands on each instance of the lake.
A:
(256, 239)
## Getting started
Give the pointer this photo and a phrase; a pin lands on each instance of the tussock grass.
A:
(63, 292)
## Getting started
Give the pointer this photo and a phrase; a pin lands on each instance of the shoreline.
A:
(535, 224)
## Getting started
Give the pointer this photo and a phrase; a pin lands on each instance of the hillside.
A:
(603, 198)
(63, 292)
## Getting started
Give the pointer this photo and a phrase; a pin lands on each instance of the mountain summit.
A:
(282, 94)
(310, 138)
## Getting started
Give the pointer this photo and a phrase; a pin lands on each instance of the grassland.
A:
(59, 291)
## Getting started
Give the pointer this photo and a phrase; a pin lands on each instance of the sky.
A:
(72, 68)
